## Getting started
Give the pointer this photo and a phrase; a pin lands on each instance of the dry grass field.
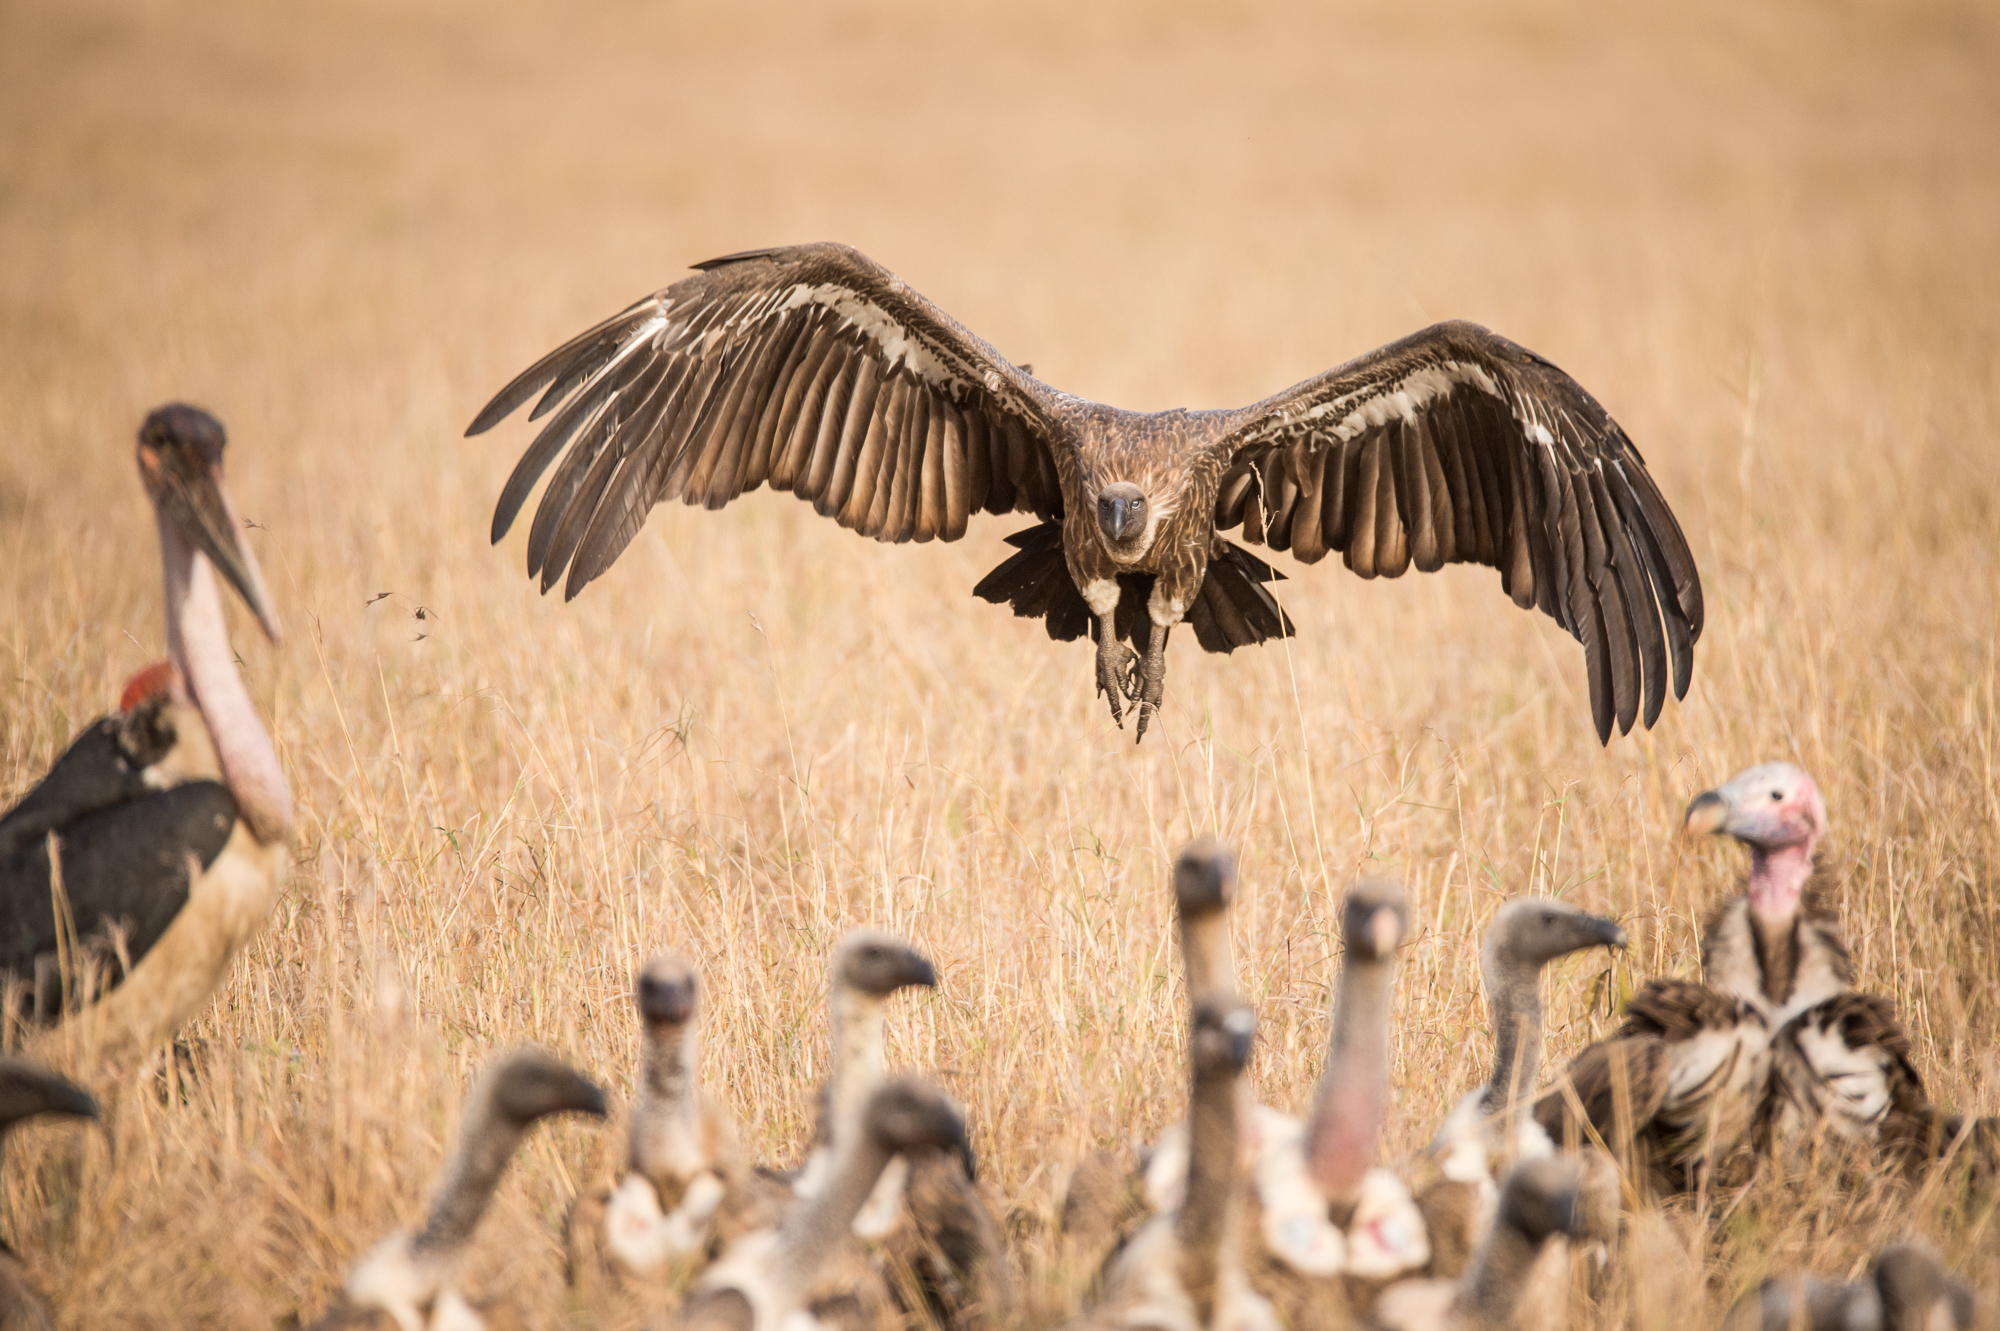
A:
(1766, 236)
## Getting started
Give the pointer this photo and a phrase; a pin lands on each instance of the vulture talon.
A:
(1112, 673)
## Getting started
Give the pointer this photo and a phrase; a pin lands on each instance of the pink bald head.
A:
(1777, 811)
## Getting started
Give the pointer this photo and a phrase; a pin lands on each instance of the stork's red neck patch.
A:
(152, 681)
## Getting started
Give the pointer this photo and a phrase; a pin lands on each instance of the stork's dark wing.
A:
(813, 369)
(129, 865)
(1454, 445)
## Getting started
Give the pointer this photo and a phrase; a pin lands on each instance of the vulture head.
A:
(530, 1084)
(669, 991)
(1125, 519)
(1225, 1027)
(1770, 807)
(878, 964)
(1530, 932)
(1375, 918)
(1204, 878)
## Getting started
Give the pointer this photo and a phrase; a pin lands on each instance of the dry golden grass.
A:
(1768, 238)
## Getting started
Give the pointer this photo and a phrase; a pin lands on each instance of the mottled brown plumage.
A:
(813, 369)
(1906, 1288)
(1674, 1092)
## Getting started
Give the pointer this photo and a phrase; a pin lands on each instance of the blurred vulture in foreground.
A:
(409, 1282)
(26, 1091)
(814, 369)
(163, 830)
(1906, 1288)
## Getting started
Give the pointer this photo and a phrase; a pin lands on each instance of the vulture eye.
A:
(1777, 795)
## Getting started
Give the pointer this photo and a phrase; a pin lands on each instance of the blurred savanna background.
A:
(1766, 236)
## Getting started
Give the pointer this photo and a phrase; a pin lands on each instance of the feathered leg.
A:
(1114, 664)
(1152, 677)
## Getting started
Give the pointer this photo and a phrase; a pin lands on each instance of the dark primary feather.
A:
(1430, 451)
(810, 368)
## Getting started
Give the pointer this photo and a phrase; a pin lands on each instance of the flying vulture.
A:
(813, 369)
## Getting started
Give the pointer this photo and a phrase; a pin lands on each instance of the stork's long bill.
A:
(180, 461)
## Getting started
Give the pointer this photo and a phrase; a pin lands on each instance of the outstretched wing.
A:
(1454, 445)
(813, 369)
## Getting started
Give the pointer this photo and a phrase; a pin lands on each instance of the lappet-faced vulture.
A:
(813, 369)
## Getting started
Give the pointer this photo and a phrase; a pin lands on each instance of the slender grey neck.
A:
(1353, 1086)
(858, 1059)
(817, 1224)
(1203, 1223)
(488, 1143)
(1206, 951)
(198, 643)
(1514, 990)
(1499, 1274)
(667, 1087)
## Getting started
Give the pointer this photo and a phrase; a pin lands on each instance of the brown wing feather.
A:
(811, 368)
(1454, 445)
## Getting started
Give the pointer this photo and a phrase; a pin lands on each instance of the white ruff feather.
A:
(879, 1215)
(643, 1237)
(898, 346)
(1353, 413)
(389, 1278)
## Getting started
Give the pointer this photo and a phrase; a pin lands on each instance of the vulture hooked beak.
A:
(1707, 815)
(1121, 511)
(180, 459)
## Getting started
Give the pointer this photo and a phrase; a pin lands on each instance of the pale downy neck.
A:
(1206, 951)
(1500, 1272)
(1515, 992)
(825, 1219)
(668, 1091)
(858, 1060)
(489, 1141)
(1353, 1087)
(198, 643)
(1203, 1223)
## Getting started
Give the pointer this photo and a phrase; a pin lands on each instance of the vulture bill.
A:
(28, 1090)
(684, 1154)
(1182, 1270)
(1906, 1288)
(767, 1279)
(166, 826)
(1493, 1125)
(813, 369)
(409, 1282)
